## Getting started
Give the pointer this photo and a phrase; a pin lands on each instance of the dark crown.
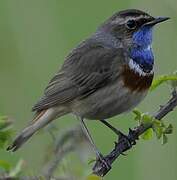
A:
(131, 12)
(126, 22)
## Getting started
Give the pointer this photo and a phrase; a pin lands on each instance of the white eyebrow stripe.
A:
(123, 20)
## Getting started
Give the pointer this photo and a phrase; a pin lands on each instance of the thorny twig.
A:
(121, 146)
(70, 140)
(67, 143)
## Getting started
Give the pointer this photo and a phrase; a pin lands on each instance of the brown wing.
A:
(87, 68)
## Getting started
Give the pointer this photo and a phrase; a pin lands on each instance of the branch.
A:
(121, 146)
(67, 143)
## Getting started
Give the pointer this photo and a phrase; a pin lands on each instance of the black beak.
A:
(157, 20)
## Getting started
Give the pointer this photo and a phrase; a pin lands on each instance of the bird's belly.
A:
(108, 102)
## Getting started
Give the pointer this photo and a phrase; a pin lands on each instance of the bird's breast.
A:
(117, 97)
(135, 80)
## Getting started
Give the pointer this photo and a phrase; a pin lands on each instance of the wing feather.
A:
(88, 68)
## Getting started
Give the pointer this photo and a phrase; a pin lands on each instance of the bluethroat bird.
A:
(107, 74)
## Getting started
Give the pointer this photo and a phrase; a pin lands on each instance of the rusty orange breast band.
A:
(134, 81)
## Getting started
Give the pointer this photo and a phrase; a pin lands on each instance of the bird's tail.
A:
(42, 119)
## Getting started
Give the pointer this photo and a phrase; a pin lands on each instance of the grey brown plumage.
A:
(41, 120)
(96, 79)
(88, 68)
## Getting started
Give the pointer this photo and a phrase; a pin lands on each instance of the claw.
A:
(103, 161)
(131, 131)
(132, 135)
(126, 139)
(115, 143)
(123, 154)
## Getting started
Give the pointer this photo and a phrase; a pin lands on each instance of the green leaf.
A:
(90, 161)
(146, 119)
(158, 129)
(161, 130)
(157, 122)
(174, 83)
(164, 139)
(5, 130)
(5, 165)
(148, 134)
(94, 177)
(14, 172)
(137, 114)
(169, 129)
(5, 137)
(160, 80)
(4, 122)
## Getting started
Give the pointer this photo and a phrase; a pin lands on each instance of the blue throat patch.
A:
(142, 52)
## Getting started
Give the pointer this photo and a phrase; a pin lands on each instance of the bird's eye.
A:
(131, 24)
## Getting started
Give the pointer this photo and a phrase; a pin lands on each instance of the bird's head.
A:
(132, 30)
(132, 27)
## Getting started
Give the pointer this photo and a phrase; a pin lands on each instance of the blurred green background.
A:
(36, 35)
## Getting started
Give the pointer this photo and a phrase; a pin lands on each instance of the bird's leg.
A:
(116, 131)
(121, 135)
(99, 156)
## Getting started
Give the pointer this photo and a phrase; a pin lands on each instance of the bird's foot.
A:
(133, 136)
(129, 139)
(100, 158)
